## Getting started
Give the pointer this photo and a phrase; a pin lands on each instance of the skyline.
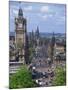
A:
(48, 17)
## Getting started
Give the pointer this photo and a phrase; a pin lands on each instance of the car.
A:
(43, 73)
(46, 83)
(40, 82)
(39, 74)
(34, 75)
(46, 75)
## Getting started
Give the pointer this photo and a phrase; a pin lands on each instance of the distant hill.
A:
(50, 34)
(11, 33)
(45, 34)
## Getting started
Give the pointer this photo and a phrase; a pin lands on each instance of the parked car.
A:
(45, 74)
(40, 82)
(46, 83)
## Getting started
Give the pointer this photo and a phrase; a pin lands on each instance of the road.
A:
(40, 62)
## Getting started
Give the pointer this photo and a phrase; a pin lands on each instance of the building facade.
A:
(18, 44)
(20, 35)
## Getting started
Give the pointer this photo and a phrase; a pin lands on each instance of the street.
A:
(40, 65)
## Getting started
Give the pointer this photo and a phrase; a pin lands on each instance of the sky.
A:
(48, 17)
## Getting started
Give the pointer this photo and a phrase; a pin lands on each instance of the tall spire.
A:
(37, 32)
(37, 28)
(20, 13)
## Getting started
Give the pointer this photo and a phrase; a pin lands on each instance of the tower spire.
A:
(20, 13)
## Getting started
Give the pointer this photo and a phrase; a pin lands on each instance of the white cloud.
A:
(14, 7)
(45, 17)
(60, 20)
(44, 9)
(50, 15)
(28, 8)
(15, 12)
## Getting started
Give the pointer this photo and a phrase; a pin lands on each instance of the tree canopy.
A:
(21, 79)
(60, 78)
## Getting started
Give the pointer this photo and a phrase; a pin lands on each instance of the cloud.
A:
(45, 17)
(50, 15)
(28, 8)
(15, 12)
(44, 9)
(14, 7)
(61, 20)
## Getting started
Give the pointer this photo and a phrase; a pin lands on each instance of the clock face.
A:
(20, 25)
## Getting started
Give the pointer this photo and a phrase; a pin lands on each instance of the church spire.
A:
(37, 32)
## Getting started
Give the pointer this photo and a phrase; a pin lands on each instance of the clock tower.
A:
(20, 35)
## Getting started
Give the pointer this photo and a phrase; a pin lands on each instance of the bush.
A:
(21, 79)
(60, 78)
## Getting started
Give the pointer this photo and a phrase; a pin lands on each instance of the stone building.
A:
(20, 34)
(18, 44)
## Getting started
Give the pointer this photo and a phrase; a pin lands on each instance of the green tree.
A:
(21, 79)
(60, 78)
